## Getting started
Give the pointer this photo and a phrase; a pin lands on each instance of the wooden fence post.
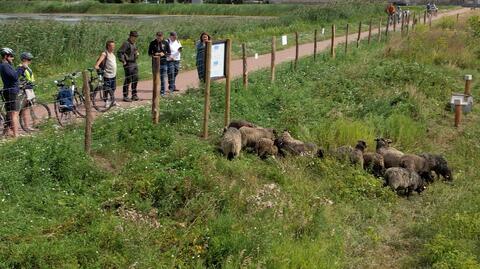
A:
(424, 17)
(272, 63)
(206, 109)
(458, 15)
(359, 32)
(245, 70)
(332, 48)
(379, 30)
(369, 31)
(296, 51)
(458, 113)
(430, 21)
(402, 24)
(156, 89)
(394, 23)
(228, 82)
(315, 45)
(387, 30)
(346, 39)
(88, 113)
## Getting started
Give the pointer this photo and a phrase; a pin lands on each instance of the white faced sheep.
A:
(231, 143)
(439, 165)
(265, 147)
(391, 156)
(250, 135)
(287, 144)
(241, 123)
(373, 162)
(403, 179)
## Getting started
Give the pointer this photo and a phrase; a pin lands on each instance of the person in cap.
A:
(173, 60)
(10, 91)
(160, 48)
(128, 55)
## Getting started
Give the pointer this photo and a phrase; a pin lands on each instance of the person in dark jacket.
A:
(10, 91)
(128, 55)
(201, 46)
(160, 48)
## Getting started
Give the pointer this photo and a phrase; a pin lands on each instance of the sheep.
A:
(287, 144)
(356, 156)
(251, 135)
(403, 179)
(391, 156)
(265, 147)
(418, 164)
(231, 143)
(439, 165)
(342, 153)
(241, 123)
(374, 163)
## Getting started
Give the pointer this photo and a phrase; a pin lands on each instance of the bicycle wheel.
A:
(64, 117)
(33, 114)
(102, 98)
(79, 102)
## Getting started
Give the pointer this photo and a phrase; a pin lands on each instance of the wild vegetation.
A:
(159, 196)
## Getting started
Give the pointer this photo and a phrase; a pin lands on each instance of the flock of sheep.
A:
(402, 172)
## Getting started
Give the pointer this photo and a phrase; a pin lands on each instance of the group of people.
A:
(168, 50)
(14, 79)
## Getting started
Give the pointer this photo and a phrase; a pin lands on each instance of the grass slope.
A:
(158, 196)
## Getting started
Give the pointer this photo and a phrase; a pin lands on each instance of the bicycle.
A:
(102, 97)
(69, 103)
(39, 112)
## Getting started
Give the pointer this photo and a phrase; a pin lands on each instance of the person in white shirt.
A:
(107, 65)
(173, 60)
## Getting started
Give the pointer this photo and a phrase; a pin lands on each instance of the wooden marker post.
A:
(245, 70)
(156, 89)
(272, 62)
(88, 113)
(228, 81)
(315, 45)
(296, 51)
(206, 109)
(458, 113)
(346, 39)
(468, 84)
(332, 47)
(369, 31)
(359, 32)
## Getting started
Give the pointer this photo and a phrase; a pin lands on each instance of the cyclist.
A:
(26, 79)
(10, 92)
(390, 12)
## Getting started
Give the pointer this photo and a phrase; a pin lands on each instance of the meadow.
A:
(159, 196)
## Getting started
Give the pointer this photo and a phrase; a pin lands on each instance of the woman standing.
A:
(201, 46)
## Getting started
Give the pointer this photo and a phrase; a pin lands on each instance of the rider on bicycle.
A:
(26, 79)
(10, 91)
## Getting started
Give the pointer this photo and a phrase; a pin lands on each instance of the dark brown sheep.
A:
(373, 162)
(241, 123)
(399, 179)
(265, 147)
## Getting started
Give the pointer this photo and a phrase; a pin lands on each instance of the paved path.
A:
(189, 79)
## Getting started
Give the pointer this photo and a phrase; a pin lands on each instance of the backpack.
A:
(103, 64)
(65, 99)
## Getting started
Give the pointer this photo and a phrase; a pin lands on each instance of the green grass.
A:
(159, 196)
(70, 47)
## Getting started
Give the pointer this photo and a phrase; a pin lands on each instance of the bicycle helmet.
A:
(6, 51)
(26, 56)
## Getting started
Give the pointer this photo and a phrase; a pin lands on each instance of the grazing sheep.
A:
(342, 153)
(241, 123)
(356, 157)
(439, 165)
(418, 164)
(373, 162)
(287, 144)
(391, 156)
(403, 179)
(265, 147)
(231, 143)
(250, 135)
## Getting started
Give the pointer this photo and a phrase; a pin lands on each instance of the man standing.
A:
(128, 55)
(107, 64)
(160, 48)
(173, 61)
(10, 91)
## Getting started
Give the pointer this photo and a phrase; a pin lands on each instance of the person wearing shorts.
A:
(10, 91)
